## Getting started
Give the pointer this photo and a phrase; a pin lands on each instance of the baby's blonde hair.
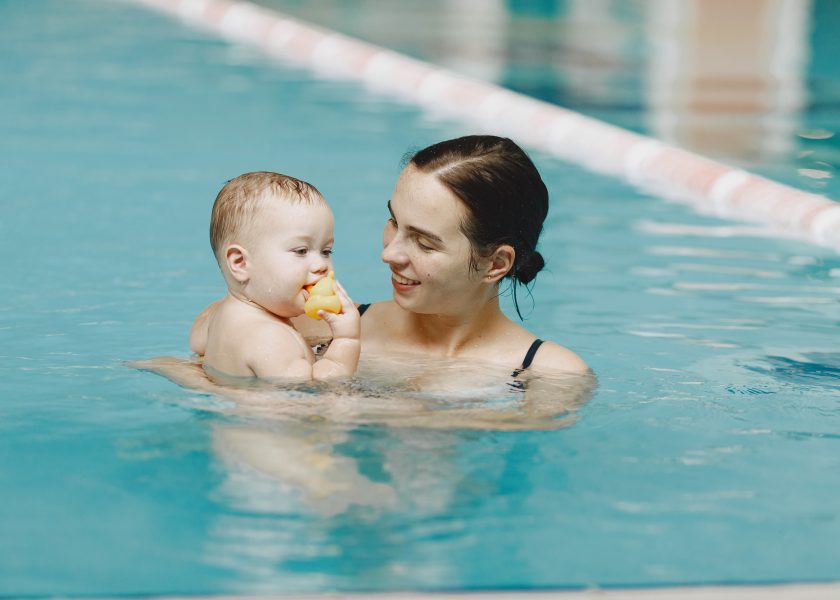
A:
(240, 199)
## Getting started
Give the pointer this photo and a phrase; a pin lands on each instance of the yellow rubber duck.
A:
(322, 297)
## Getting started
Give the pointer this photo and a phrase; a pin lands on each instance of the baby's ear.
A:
(236, 258)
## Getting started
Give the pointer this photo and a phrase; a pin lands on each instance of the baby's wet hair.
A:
(240, 199)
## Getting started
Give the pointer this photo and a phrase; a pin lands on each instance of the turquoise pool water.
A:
(709, 452)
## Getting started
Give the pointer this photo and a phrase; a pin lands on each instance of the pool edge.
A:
(792, 591)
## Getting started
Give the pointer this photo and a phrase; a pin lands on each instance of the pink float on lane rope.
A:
(711, 187)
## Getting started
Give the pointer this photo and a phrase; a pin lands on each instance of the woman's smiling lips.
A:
(403, 283)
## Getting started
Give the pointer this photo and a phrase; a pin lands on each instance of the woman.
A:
(465, 215)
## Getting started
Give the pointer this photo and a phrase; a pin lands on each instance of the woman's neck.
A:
(450, 335)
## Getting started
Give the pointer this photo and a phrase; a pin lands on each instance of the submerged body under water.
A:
(291, 434)
(402, 390)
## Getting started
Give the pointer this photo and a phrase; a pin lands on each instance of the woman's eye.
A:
(424, 247)
(391, 221)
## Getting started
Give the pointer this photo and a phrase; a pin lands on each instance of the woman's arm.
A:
(198, 331)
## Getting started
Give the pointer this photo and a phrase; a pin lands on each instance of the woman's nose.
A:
(392, 250)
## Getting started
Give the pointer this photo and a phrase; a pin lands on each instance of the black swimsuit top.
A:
(526, 362)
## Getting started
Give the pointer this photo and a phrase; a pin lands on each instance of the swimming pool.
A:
(708, 454)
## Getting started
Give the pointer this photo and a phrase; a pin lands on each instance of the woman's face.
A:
(428, 254)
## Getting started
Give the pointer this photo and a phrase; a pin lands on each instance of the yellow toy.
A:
(322, 297)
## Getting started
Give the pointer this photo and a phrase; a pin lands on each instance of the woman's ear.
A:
(500, 263)
(236, 259)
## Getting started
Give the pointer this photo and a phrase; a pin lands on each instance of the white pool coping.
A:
(817, 591)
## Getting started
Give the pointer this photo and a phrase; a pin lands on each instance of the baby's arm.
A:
(275, 351)
(198, 332)
(342, 356)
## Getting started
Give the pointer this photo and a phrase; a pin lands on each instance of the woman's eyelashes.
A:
(418, 240)
(422, 246)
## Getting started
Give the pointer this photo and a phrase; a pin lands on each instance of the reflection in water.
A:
(728, 79)
(732, 297)
(301, 457)
(324, 484)
(321, 477)
(305, 498)
(821, 369)
(710, 253)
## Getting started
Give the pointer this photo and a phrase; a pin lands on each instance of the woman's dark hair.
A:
(503, 192)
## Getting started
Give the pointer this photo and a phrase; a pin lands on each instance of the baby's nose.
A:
(321, 264)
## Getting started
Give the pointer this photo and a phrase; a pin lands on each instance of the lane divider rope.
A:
(711, 187)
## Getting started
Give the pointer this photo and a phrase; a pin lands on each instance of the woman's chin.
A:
(413, 303)
(403, 302)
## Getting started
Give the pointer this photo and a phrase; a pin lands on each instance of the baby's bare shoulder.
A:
(251, 331)
(276, 349)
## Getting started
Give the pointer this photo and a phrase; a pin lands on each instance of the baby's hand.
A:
(346, 324)
(322, 296)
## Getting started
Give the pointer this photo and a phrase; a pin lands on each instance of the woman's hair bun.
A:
(529, 267)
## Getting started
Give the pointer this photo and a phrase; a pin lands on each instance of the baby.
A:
(272, 236)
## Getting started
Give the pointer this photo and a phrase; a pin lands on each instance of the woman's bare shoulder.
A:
(383, 307)
(381, 316)
(553, 357)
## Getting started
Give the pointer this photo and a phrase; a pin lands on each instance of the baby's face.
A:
(290, 247)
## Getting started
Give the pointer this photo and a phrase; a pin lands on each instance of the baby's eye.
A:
(328, 252)
(301, 251)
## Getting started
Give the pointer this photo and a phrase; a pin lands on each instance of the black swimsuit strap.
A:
(363, 308)
(529, 357)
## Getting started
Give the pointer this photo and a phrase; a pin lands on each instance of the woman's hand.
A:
(198, 332)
